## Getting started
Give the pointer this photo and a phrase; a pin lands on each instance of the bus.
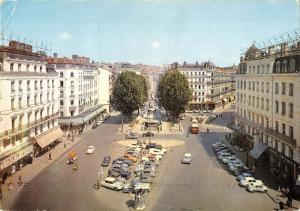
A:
(195, 128)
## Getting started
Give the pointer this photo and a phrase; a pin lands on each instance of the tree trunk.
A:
(122, 123)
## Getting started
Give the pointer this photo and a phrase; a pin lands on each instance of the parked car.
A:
(148, 134)
(155, 151)
(224, 155)
(218, 144)
(151, 145)
(130, 157)
(146, 179)
(90, 150)
(128, 162)
(112, 183)
(141, 186)
(132, 135)
(106, 161)
(126, 174)
(246, 181)
(242, 176)
(257, 187)
(182, 117)
(95, 125)
(110, 171)
(229, 159)
(236, 166)
(149, 172)
(127, 188)
(119, 159)
(187, 158)
(115, 174)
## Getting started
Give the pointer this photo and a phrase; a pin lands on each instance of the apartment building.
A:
(267, 107)
(211, 86)
(28, 105)
(78, 87)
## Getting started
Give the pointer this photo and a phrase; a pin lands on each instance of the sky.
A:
(153, 32)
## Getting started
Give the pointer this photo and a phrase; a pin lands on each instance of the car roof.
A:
(187, 154)
(110, 179)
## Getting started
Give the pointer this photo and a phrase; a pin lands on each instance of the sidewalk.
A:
(29, 171)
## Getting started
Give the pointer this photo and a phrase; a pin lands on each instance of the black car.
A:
(126, 174)
(158, 146)
(148, 134)
(119, 159)
(106, 161)
(128, 162)
(114, 170)
(115, 174)
(151, 145)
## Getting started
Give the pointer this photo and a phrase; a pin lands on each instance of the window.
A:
(276, 107)
(41, 84)
(276, 126)
(257, 86)
(277, 69)
(267, 87)
(12, 103)
(268, 68)
(291, 131)
(72, 84)
(72, 102)
(20, 102)
(41, 69)
(262, 86)
(41, 99)
(61, 84)
(253, 101)
(283, 128)
(61, 74)
(28, 85)
(61, 102)
(28, 101)
(52, 83)
(19, 67)
(283, 90)
(291, 110)
(257, 102)
(276, 88)
(20, 85)
(258, 69)
(61, 94)
(12, 86)
(283, 108)
(35, 85)
(11, 66)
(249, 85)
(291, 90)
(35, 99)
(35, 67)
(27, 67)
(292, 65)
(253, 86)
(262, 103)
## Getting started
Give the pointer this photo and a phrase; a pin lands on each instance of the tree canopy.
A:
(173, 92)
(130, 92)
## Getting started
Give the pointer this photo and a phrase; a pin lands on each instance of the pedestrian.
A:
(207, 130)
(98, 184)
(50, 156)
(289, 202)
(20, 180)
(281, 206)
(0, 192)
(10, 186)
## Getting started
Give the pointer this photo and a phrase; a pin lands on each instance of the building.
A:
(211, 86)
(104, 88)
(78, 90)
(28, 105)
(267, 108)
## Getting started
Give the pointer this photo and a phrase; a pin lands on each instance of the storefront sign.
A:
(15, 157)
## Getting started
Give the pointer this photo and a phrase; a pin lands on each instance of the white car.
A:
(242, 176)
(229, 159)
(257, 187)
(112, 183)
(187, 158)
(90, 150)
(224, 155)
(236, 166)
(246, 181)
(156, 152)
(99, 122)
(172, 129)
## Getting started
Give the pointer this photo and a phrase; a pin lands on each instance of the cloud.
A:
(65, 36)
(156, 44)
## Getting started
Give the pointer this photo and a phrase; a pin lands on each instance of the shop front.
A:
(15, 159)
(45, 141)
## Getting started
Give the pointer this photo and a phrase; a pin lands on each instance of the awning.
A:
(50, 136)
(258, 150)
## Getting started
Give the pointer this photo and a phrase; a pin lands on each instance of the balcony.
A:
(72, 96)
(268, 131)
(20, 90)
(72, 108)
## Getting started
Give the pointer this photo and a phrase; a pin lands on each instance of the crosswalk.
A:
(218, 126)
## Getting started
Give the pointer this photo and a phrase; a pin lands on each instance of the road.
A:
(205, 184)
(59, 188)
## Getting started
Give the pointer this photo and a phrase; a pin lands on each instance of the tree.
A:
(128, 93)
(173, 92)
(143, 89)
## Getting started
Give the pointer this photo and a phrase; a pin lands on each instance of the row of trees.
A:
(130, 92)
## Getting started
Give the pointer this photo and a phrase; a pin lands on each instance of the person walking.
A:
(98, 184)
(50, 156)
(20, 180)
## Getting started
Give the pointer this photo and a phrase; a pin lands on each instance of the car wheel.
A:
(115, 188)
(265, 191)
